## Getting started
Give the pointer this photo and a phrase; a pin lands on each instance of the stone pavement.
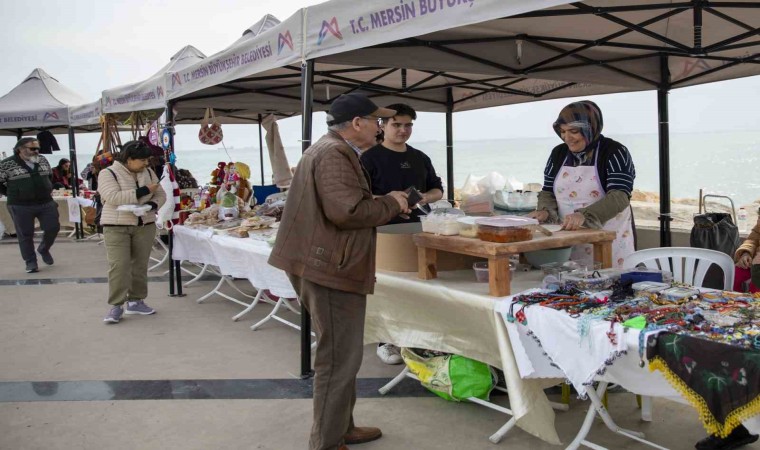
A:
(189, 377)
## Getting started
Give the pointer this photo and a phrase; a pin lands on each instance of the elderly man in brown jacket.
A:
(326, 244)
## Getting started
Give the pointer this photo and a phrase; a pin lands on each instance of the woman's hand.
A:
(573, 221)
(744, 261)
(541, 216)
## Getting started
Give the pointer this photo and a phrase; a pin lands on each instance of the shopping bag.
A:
(210, 133)
(452, 377)
(715, 231)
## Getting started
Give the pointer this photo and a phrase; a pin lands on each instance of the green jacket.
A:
(25, 186)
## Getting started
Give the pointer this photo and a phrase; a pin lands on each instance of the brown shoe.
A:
(360, 435)
(342, 447)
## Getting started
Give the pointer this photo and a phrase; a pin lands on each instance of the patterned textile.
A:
(721, 381)
(25, 186)
(211, 130)
(584, 115)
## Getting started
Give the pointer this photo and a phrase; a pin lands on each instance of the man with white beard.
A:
(25, 178)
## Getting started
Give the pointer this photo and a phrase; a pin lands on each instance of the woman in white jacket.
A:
(129, 232)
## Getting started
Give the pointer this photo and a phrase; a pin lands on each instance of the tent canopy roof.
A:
(567, 50)
(38, 102)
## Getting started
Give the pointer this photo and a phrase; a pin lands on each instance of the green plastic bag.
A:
(451, 377)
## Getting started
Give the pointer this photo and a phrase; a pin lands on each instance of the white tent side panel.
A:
(41, 118)
(84, 115)
(148, 94)
(342, 25)
(279, 46)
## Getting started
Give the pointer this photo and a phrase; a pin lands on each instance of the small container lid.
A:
(468, 220)
(506, 221)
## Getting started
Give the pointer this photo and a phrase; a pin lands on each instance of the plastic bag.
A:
(477, 192)
(451, 377)
(166, 212)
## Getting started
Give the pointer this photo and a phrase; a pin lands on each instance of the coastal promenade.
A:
(190, 378)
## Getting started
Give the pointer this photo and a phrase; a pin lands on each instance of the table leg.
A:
(426, 263)
(603, 253)
(499, 277)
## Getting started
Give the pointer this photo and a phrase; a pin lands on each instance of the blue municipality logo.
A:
(283, 40)
(176, 79)
(332, 27)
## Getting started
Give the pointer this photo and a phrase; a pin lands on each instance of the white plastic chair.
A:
(689, 265)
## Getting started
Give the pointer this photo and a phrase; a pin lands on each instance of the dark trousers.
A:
(23, 219)
(338, 318)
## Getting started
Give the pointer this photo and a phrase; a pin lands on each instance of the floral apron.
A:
(579, 187)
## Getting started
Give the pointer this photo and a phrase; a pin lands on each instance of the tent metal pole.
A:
(78, 227)
(307, 95)
(664, 137)
(175, 271)
(19, 134)
(261, 151)
(449, 144)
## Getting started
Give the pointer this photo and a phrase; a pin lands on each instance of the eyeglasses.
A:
(372, 119)
(34, 149)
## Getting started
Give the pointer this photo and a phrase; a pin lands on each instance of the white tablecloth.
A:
(454, 313)
(67, 218)
(584, 359)
(235, 257)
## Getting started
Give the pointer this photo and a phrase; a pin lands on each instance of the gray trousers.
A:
(23, 219)
(338, 318)
(128, 253)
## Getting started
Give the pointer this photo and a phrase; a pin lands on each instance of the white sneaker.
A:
(389, 354)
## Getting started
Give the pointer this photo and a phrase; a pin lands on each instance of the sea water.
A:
(721, 163)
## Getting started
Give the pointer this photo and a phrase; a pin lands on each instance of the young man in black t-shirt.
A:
(395, 166)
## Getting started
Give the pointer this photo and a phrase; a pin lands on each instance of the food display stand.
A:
(498, 254)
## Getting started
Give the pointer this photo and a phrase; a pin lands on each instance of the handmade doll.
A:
(243, 188)
(218, 175)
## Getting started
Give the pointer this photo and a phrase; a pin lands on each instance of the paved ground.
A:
(191, 378)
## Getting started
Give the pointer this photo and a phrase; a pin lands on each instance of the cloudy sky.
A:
(93, 45)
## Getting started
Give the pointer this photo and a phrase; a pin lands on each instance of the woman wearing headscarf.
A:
(129, 233)
(588, 182)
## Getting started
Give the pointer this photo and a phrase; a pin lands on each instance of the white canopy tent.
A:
(261, 46)
(149, 94)
(457, 55)
(267, 45)
(584, 48)
(40, 102)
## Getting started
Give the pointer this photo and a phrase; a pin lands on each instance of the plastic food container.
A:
(441, 223)
(516, 201)
(505, 229)
(597, 280)
(467, 227)
(481, 271)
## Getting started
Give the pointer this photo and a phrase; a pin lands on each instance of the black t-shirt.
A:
(396, 171)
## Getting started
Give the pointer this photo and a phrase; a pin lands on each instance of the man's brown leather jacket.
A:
(327, 232)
